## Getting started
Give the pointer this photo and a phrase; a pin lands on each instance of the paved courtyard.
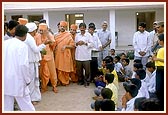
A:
(70, 98)
(73, 97)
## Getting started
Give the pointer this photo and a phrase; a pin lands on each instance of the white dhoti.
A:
(24, 103)
(34, 86)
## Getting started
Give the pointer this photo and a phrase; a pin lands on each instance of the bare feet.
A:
(63, 84)
(55, 90)
(97, 97)
(34, 102)
(42, 90)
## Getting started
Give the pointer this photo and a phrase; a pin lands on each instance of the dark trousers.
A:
(152, 95)
(160, 85)
(83, 76)
(94, 68)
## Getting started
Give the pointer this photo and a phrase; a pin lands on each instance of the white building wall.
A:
(125, 26)
(160, 14)
(96, 16)
(25, 14)
(125, 23)
(54, 19)
(89, 16)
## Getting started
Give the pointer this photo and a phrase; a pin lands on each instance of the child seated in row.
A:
(143, 91)
(144, 104)
(122, 56)
(127, 73)
(113, 53)
(150, 66)
(108, 67)
(99, 79)
(110, 70)
(139, 66)
(106, 93)
(118, 67)
(107, 105)
(136, 66)
(109, 78)
(123, 70)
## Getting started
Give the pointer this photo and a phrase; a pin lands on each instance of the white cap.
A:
(31, 26)
(155, 22)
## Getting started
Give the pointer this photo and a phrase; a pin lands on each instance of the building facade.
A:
(122, 17)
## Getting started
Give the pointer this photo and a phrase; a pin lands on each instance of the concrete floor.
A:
(70, 98)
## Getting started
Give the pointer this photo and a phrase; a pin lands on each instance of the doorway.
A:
(33, 18)
(16, 17)
(147, 17)
(74, 19)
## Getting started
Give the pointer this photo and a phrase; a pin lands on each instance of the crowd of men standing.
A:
(34, 55)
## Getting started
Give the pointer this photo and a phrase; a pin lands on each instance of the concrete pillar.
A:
(112, 27)
(46, 17)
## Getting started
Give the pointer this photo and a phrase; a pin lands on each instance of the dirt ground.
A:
(70, 98)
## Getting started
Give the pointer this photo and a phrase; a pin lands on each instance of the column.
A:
(112, 27)
(46, 17)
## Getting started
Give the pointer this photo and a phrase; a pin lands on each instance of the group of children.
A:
(115, 70)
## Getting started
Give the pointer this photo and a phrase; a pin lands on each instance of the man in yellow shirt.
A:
(159, 63)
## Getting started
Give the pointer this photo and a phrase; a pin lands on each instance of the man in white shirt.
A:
(141, 43)
(95, 51)
(34, 57)
(16, 72)
(84, 45)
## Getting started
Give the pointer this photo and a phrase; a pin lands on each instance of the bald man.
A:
(63, 56)
(47, 65)
(105, 38)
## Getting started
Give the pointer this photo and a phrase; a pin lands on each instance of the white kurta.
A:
(16, 75)
(130, 105)
(141, 42)
(34, 50)
(34, 57)
(143, 91)
(152, 83)
(97, 44)
(16, 68)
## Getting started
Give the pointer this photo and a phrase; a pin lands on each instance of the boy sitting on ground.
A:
(106, 93)
(99, 79)
(107, 105)
(127, 70)
(109, 78)
(119, 68)
(141, 75)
